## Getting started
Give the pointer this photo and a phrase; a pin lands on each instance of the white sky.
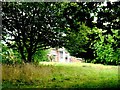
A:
(113, 0)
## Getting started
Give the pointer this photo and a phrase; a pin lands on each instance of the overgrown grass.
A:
(59, 75)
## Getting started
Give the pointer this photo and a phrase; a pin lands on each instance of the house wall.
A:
(60, 55)
(64, 56)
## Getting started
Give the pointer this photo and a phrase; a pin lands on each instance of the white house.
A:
(62, 55)
(59, 55)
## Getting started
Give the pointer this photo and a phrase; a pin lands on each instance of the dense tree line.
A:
(38, 26)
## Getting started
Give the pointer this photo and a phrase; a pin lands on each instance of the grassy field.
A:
(59, 75)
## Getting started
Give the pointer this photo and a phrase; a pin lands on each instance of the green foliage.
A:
(105, 53)
(109, 14)
(40, 25)
(104, 50)
(76, 40)
(31, 26)
(10, 56)
(41, 55)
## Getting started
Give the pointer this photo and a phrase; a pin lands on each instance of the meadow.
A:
(59, 75)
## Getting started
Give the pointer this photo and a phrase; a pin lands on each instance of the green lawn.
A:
(60, 75)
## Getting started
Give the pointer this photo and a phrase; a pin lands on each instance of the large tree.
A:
(108, 18)
(78, 39)
(28, 27)
(93, 14)
(77, 43)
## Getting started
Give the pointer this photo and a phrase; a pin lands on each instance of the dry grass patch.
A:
(25, 73)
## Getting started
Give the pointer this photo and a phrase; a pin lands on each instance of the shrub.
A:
(105, 51)
(41, 55)
(10, 56)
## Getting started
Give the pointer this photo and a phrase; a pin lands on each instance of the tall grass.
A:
(70, 75)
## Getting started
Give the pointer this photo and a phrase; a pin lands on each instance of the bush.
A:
(41, 55)
(105, 52)
(10, 56)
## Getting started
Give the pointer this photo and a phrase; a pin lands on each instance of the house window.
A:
(61, 54)
(66, 58)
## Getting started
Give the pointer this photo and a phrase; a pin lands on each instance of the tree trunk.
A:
(29, 58)
(22, 54)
